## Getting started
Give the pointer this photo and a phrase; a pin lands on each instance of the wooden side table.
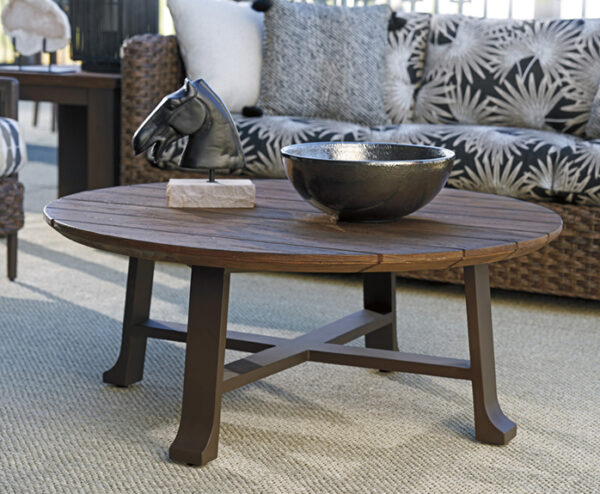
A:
(88, 124)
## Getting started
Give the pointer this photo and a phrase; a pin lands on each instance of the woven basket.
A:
(11, 205)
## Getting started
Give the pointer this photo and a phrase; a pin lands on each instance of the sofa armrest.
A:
(151, 67)
(9, 97)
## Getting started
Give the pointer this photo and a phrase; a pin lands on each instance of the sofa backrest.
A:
(539, 74)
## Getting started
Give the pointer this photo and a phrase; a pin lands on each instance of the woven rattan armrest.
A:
(151, 68)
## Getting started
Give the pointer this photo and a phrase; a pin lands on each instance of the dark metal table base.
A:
(207, 378)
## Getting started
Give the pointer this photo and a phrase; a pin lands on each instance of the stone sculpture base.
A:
(200, 193)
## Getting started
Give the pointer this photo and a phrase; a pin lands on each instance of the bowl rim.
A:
(287, 151)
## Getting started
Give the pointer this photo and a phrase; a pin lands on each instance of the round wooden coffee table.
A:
(284, 233)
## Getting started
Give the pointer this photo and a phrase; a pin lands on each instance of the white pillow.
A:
(221, 42)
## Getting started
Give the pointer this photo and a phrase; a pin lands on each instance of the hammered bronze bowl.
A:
(366, 181)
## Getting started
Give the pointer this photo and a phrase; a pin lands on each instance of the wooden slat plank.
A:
(478, 226)
(288, 233)
(413, 224)
(350, 238)
(238, 255)
(389, 242)
(452, 224)
(281, 194)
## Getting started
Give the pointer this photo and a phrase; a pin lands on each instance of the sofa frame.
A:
(569, 266)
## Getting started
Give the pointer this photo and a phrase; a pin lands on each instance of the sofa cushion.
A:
(325, 61)
(221, 42)
(522, 163)
(12, 148)
(577, 173)
(498, 160)
(407, 41)
(540, 74)
(263, 137)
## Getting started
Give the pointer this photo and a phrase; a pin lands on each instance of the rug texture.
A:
(311, 429)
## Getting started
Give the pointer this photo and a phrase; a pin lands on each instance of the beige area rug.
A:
(313, 428)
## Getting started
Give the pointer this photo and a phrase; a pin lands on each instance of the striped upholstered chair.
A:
(12, 158)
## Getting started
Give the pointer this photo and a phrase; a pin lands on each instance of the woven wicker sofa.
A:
(570, 266)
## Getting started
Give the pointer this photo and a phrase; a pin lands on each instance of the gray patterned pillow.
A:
(405, 63)
(540, 74)
(325, 62)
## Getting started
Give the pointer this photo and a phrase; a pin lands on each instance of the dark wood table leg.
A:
(103, 124)
(379, 295)
(198, 436)
(129, 368)
(88, 143)
(491, 425)
(72, 149)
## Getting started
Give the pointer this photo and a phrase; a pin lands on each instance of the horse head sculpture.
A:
(196, 111)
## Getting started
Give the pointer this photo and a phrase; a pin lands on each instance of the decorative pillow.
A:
(325, 62)
(408, 33)
(540, 74)
(12, 148)
(221, 42)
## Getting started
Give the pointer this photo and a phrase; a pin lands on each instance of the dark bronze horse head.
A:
(196, 111)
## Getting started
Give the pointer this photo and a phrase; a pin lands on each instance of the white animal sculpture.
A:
(30, 22)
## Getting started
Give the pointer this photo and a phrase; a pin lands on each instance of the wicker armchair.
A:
(11, 190)
(569, 266)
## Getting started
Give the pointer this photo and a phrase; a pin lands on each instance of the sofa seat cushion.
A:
(263, 137)
(12, 148)
(515, 162)
(577, 174)
(522, 163)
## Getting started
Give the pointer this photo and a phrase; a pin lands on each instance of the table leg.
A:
(379, 295)
(491, 425)
(88, 143)
(72, 149)
(198, 436)
(129, 368)
(103, 124)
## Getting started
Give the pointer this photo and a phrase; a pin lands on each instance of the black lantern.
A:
(99, 27)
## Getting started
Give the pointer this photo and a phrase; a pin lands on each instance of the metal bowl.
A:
(365, 181)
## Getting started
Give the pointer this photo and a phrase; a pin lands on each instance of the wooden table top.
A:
(79, 79)
(284, 233)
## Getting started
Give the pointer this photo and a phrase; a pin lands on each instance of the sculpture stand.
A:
(53, 68)
(210, 193)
